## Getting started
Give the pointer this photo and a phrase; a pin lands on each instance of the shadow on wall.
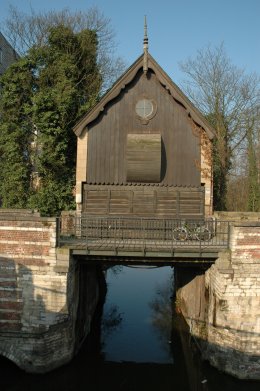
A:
(32, 334)
(17, 300)
(203, 376)
(198, 353)
(23, 313)
(90, 372)
(226, 345)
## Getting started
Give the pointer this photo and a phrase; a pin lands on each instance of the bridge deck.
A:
(148, 238)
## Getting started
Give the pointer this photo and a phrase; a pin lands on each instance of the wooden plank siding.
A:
(107, 136)
(139, 167)
(146, 201)
(143, 158)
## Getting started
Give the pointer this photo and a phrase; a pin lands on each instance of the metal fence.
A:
(130, 232)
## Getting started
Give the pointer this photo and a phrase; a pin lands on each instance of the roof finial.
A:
(145, 66)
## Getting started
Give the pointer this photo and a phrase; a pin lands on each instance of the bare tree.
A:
(225, 95)
(27, 30)
(253, 122)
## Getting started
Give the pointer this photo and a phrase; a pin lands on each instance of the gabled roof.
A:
(164, 79)
(8, 53)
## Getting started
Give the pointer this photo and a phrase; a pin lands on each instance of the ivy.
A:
(43, 95)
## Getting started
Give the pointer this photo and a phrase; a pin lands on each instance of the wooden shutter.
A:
(143, 158)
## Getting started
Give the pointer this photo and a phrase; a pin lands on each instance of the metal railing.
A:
(146, 233)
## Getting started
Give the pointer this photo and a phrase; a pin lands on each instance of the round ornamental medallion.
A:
(145, 108)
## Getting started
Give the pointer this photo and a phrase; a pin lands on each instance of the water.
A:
(144, 346)
(131, 293)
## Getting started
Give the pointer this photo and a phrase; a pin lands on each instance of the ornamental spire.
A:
(145, 65)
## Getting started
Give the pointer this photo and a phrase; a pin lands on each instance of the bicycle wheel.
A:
(180, 234)
(203, 233)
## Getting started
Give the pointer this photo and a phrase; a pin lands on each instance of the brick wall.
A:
(28, 239)
(39, 293)
(230, 324)
(234, 304)
(27, 279)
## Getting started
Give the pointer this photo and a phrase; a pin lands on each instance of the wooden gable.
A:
(144, 131)
(128, 77)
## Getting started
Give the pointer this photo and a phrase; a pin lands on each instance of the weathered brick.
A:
(7, 326)
(11, 305)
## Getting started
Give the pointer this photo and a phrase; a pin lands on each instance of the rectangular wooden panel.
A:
(119, 202)
(152, 201)
(96, 202)
(143, 158)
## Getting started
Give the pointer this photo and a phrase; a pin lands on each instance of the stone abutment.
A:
(44, 315)
(48, 298)
(222, 305)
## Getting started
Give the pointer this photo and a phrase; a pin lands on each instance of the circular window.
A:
(144, 108)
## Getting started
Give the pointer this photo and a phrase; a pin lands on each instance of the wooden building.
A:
(7, 54)
(144, 149)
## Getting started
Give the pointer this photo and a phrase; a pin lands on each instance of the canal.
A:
(138, 343)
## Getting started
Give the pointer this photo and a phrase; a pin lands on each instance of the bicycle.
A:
(191, 231)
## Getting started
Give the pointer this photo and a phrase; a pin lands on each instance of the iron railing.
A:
(148, 233)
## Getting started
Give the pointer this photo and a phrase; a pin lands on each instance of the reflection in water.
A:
(146, 344)
(153, 291)
(111, 321)
(137, 340)
(162, 315)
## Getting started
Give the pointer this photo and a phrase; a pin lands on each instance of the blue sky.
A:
(176, 29)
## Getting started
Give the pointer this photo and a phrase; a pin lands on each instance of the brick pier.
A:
(222, 307)
(39, 294)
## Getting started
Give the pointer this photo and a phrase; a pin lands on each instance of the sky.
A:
(176, 29)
